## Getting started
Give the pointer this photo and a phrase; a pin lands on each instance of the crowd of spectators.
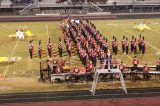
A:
(82, 1)
(60, 1)
(21, 2)
(97, 1)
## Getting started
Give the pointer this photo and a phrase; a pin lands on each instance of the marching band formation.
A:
(92, 47)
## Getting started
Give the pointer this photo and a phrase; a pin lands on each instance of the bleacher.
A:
(82, 6)
(147, 2)
(21, 2)
(5, 3)
(0, 2)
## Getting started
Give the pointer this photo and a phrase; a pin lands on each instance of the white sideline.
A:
(15, 46)
(47, 30)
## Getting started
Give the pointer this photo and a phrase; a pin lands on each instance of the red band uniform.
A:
(145, 71)
(31, 49)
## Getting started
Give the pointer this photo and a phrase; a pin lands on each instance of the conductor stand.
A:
(110, 71)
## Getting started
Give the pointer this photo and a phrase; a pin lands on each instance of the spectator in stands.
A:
(145, 71)
(21, 2)
(158, 65)
(60, 1)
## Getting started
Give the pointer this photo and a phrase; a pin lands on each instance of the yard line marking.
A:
(47, 30)
(153, 46)
(4, 73)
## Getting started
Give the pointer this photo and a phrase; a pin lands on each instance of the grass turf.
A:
(23, 76)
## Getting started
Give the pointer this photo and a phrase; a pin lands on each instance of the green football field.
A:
(22, 76)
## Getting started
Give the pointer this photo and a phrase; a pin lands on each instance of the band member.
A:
(41, 75)
(76, 71)
(58, 69)
(40, 49)
(145, 71)
(102, 58)
(18, 34)
(60, 47)
(70, 49)
(108, 61)
(143, 46)
(132, 44)
(123, 44)
(115, 63)
(90, 67)
(158, 65)
(134, 69)
(126, 45)
(115, 46)
(62, 62)
(84, 58)
(105, 45)
(31, 49)
(121, 67)
(21, 35)
(113, 43)
(140, 42)
(94, 58)
(49, 47)
(135, 46)
(55, 63)
(135, 63)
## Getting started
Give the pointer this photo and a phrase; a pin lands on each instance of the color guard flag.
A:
(142, 27)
